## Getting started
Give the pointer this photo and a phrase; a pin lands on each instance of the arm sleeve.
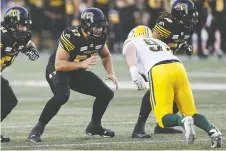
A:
(65, 41)
(125, 45)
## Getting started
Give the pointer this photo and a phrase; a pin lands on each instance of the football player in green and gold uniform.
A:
(174, 29)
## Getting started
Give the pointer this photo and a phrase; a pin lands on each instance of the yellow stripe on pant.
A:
(168, 83)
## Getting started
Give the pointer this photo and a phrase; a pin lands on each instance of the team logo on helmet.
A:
(14, 13)
(88, 15)
(182, 7)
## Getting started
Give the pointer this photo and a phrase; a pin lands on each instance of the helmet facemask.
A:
(23, 32)
(98, 29)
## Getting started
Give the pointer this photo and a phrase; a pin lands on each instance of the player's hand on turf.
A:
(140, 83)
(86, 64)
(137, 78)
(32, 54)
(113, 78)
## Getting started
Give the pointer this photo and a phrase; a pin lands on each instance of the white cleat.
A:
(188, 125)
(216, 138)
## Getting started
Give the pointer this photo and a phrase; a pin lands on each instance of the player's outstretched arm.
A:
(108, 64)
(129, 52)
(62, 62)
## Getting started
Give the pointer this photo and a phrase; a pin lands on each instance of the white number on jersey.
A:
(154, 45)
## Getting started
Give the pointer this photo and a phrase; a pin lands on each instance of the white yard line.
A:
(207, 74)
(190, 74)
(122, 85)
(105, 143)
(54, 125)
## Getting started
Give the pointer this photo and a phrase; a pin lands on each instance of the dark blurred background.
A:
(51, 17)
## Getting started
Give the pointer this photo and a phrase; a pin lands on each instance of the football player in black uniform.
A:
(67, 69)
(174, 29)
(15, 38)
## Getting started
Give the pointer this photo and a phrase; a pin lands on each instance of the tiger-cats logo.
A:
(183, 7)
(88, 15)
(14, 13)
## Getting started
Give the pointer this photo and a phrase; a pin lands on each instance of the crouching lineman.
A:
(168, 83)
(15, 38)
(77, 51)
(174, 29)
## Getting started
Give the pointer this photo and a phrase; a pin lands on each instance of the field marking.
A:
(80, 124)
(190, 74)
(206, 74)
(105, 143)
(122, 85)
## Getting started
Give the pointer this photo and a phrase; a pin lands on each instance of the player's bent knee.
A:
(62, 99)
(107, 94)
(110, 94)
(159, 118)
(14, 103)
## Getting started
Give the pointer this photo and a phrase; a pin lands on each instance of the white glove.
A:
(137, 78)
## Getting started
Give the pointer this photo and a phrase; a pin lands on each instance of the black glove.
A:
(185, 47)
(32, 54)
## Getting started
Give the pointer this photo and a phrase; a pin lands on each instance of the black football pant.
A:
(145, 108)
(8, 98)
(81, 81)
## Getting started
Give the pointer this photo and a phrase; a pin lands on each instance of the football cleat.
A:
(188, 125)
(166, 130)
(4, 139)
(139, 132)
(35, 138)
(36, 132)
(99, 130)
(216, 138)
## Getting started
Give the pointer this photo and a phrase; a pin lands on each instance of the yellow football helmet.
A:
(140, 31)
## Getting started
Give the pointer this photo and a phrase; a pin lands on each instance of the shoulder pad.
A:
(164, 27)
(165, 22)
(6, 40)
(127, 40)
(65, 40)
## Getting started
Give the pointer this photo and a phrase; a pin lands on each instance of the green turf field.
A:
(66, 130)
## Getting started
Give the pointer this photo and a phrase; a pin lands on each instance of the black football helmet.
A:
(17, 15)
(184, 12)
(93, 22)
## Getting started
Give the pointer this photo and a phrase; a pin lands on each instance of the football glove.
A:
(137, 78)
(185, 47)
(32, 54)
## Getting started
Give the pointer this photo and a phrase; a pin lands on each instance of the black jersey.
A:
(9, 47)
(73, 41)
(173, 33)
